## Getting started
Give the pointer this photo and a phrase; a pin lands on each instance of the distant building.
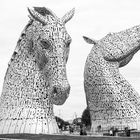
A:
(70, 121)
(77, 121)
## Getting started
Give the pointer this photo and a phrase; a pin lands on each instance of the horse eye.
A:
(45, 44)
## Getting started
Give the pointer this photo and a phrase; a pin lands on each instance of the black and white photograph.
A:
(69, 69)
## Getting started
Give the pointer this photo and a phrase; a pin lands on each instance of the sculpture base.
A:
(60, 137)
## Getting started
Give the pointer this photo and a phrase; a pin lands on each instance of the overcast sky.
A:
(93, 18)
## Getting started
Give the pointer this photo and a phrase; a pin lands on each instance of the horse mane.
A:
(23, 34)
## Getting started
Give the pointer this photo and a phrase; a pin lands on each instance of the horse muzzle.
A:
(60, 94)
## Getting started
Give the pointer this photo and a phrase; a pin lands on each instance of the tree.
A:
(86, 117)
(61, 123)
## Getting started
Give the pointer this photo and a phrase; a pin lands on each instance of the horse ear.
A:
(90, 41)
(44, 11)
(37, 16)
(68, 16)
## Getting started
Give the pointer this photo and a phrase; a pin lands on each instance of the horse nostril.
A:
(59, 90)
(55, 89)
(68, 89)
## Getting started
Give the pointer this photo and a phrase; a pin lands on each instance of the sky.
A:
(93, 18)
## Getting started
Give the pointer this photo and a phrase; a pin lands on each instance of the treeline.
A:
(85, 119)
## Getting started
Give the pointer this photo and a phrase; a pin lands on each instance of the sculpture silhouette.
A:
(111, 99)
(36, 75)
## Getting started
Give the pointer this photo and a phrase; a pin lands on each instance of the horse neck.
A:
(100, 64)
(23, 69)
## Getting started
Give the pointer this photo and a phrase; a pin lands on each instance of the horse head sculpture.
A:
(111, 99)
(36, 75)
